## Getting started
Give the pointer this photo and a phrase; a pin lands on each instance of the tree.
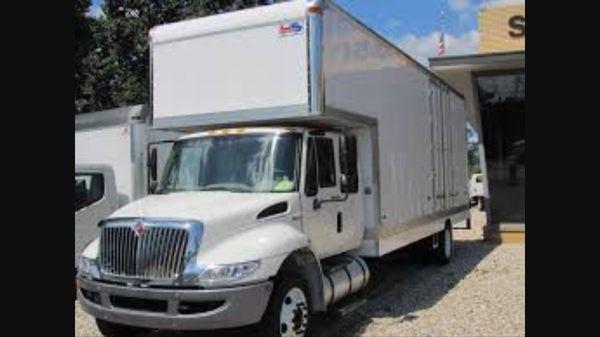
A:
(83, 38)
(117, 68)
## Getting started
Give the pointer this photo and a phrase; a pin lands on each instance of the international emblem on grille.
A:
(139, 229)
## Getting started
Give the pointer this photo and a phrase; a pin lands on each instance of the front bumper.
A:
(235, 307)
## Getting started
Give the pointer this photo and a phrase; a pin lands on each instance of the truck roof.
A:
(229, 21)
(242, 130)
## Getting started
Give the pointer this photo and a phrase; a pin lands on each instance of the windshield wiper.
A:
(173, 190)
(223, 188)
(200, 189)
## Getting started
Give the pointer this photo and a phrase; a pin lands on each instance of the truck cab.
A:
(234, 210)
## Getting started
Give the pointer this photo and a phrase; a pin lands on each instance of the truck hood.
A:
(221, 212)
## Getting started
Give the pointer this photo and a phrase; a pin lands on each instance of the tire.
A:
(75, 288)
(288, 312)
(110, 329)
(442, 254)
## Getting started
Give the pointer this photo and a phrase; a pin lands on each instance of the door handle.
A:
(317, 203)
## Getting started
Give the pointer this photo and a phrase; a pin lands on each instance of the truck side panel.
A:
(109, 145)
(365, 76)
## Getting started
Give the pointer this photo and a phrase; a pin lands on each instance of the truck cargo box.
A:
(312, 62)
(109, 137)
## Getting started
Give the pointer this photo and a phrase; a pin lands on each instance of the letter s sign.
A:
(517, 24)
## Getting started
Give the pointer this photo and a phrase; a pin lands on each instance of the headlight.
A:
(87, 266)
(227, 273)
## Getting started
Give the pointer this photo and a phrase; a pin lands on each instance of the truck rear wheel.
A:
(288, 312)
(443, 252)
(110, 329)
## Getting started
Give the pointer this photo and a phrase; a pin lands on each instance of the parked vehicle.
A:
(110, 165)
(476, 190)
(96, 198)
(116, 138)
(318, 146)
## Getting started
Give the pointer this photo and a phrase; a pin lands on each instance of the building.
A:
(493, 83)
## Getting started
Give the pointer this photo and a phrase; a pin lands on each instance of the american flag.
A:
(441, 45)
(442, 42)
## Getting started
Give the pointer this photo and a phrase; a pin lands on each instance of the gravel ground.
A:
(480, 293)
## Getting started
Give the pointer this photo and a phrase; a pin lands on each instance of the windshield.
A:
(266, 162)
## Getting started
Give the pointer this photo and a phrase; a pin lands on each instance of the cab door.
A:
(96, 198)
(331, 210)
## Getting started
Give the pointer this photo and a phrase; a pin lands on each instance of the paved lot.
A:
(480, 293)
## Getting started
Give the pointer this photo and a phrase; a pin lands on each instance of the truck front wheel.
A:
(288, 312)
(110, 329)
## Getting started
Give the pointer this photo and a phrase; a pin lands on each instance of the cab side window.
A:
(326, 162)
(89, 188)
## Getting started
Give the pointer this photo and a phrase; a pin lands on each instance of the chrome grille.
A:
(158, 253)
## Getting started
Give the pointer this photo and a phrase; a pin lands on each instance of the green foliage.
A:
(112, 50)
(83, 37)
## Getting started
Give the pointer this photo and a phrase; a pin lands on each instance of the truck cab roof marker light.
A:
(315, 10)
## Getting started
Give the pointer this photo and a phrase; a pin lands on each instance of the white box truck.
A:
(308, 143)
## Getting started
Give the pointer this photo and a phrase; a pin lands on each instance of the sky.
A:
(414, 25)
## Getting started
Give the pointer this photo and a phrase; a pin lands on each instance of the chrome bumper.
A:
(230, 307)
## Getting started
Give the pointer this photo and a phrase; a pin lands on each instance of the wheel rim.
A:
(448, 242)
(293, 318)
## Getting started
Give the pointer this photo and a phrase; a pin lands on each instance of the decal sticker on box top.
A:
(292, 28)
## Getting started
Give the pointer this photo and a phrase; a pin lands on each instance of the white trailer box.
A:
(297, 63)
(115, 138)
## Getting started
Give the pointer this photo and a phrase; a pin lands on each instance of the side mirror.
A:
(316, 204)
(311, 187)
(152, 186)
(152, 165)
(311, 190)
(344, 180)
(348, 164)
